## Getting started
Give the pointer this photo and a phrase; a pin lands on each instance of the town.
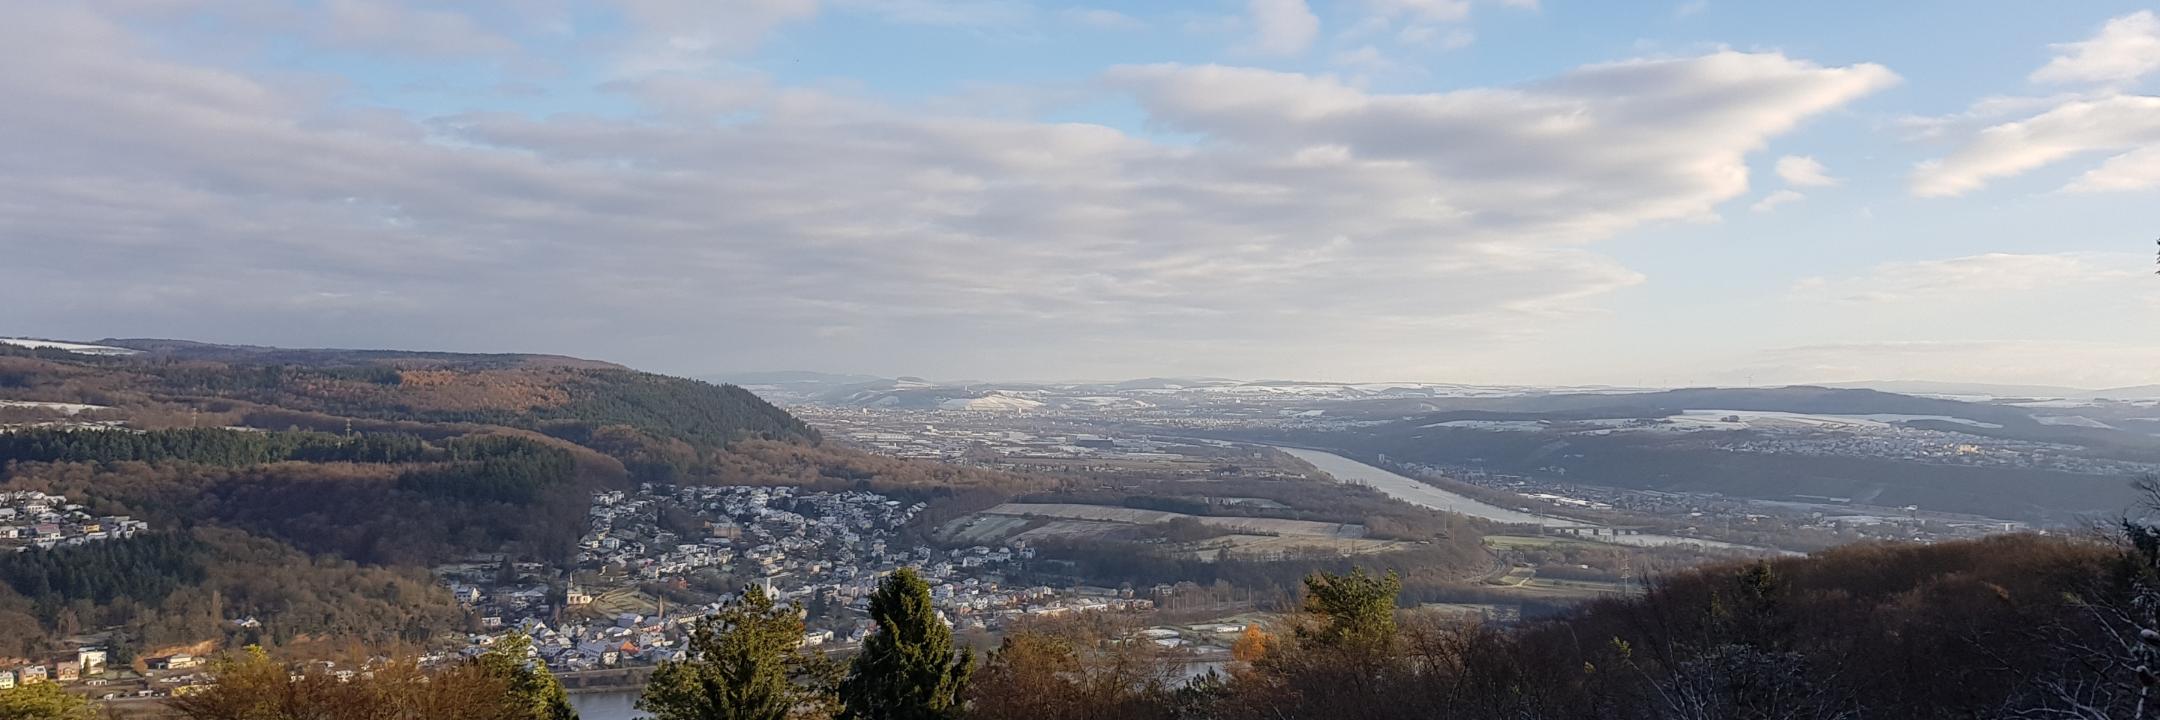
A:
(696, 547)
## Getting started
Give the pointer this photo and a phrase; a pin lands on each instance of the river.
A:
(606, 705)
(1411, 491)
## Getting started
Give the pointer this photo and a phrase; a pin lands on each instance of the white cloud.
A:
(1804, 171)
(1773, 200)
(1283, 27)
(2134, 170)
(969, 245)
(1985, 111)
(2099, 119)
(1691, 8)
(2114, 123)
(2127, 48)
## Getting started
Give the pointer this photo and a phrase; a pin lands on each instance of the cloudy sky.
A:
(1536, 191)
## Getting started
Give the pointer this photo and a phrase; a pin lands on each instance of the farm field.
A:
(1136, 516)
(1249, 537)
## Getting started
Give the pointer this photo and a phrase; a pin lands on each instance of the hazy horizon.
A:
(1522, 192)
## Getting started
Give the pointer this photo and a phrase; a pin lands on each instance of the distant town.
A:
(31, 519)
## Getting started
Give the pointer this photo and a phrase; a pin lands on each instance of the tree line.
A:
(143, 568)
(182, 587)
(210, 446)
(497, 468)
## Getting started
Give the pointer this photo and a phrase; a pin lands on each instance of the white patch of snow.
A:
(62, 408)
(77, 348)
(2072, 421)
(990, 403)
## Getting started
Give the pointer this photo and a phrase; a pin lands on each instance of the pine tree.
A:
(746, 663)
(908, 669)
(1356, 610)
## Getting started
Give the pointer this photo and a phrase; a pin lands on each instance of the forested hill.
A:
(348, 472)
(275, 388)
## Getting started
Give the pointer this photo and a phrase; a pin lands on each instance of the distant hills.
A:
(1986, 390)
(1170, 392)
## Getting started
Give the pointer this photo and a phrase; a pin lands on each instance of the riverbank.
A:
(1415, 492)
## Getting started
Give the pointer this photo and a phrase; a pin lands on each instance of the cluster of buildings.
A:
(824, 550)
(108, 677)
(88, 663)
(32, 519)
(669, 531)
(1941, 448)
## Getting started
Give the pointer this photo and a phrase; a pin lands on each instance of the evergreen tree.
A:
(908, 669)
(745, 663)
(529, 680)
(1357, 611)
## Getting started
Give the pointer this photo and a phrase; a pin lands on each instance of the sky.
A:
(1705, 192)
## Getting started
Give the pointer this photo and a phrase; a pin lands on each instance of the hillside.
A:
(344, 473)
(545, 393)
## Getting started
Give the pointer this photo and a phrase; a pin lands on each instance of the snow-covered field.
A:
(70, 347)
(1761, 417)
(62, 408)
(2073, 421)
(1713, 419)
(991, 403)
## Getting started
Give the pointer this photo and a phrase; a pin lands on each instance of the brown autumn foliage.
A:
(1075, 669)
(251, 686)
(2014, 626)
(299, 601)
(1251, 645)
(1953, 630)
